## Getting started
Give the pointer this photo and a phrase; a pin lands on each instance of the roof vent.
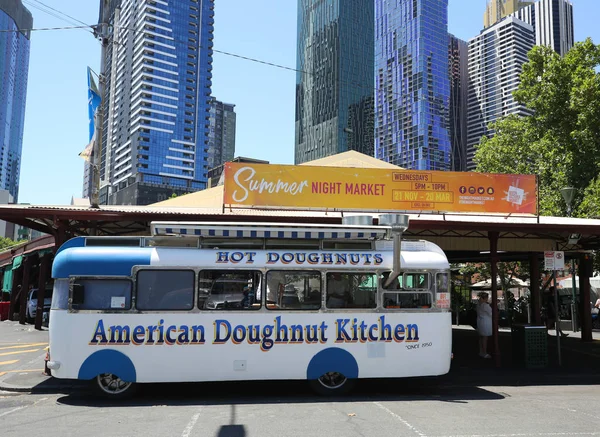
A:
(397, 221)
(358, 220)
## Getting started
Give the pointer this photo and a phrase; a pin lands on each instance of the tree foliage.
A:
(560, 141)
(6, 242)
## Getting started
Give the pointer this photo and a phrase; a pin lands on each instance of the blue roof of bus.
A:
(77, 260)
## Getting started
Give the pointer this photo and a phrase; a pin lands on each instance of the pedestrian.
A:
(551, 313)
(484, 323)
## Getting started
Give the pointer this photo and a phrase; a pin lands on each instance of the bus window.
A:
(229, 290)
(101, 294)
(406, 300)
(293, 290)
(159, 290)
(442, 283)
(351, 290)
(415, 281)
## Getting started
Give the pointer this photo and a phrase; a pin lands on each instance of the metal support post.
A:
(557, 321)
(493, 237)
(101, 32)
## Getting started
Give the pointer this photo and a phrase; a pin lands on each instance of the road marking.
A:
(8, 362)
(18, 352)
(540, 434)
(24, 346)
(408, 425)
(188, 429)
(6, 413)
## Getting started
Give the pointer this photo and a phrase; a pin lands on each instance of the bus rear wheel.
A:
(113, 387)
(332, 384)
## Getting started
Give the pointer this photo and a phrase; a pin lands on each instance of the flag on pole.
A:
(94, 100)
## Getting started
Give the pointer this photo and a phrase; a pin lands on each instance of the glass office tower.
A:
(412, 86)
(334, 84)
(15, 21)
(157, 99)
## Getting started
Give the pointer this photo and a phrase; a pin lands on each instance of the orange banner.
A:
(344, 188)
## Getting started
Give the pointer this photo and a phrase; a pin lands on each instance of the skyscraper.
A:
(459, 85)
(156, 101)
(496, 10)
(496, 58)
(221, 133)
(334, 84)
(412, 88)
(16, 22)
(552, 22)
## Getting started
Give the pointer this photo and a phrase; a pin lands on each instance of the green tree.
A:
(6, 242)
(560, 142)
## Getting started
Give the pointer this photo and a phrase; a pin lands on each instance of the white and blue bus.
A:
(230, 302)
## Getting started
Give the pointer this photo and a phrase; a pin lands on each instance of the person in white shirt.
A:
(484, 323)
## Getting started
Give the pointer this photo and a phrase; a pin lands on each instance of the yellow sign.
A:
(344, 188)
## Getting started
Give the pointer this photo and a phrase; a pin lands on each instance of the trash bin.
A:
(530, 346)
(4, 306)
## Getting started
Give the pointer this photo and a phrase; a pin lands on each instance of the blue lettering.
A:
(272, 257)
(237, 339)
(119, 334)
(385, 330)
(137, 332)
(184, 336)
(372, 336)
(340, 329)
(222, 257)
(413, 332)
(354, 258)
(341, 258)
(236, 257)
(312, 335)
(198, 329)
(399, 333)
(287, 258)
(378, 259)
(281, 329)
(99, 333)
(267, 342)
(297, 333)
(250, 257)
(168, 334)
(221, 339)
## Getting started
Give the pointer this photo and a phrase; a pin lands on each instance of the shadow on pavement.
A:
(288, 392)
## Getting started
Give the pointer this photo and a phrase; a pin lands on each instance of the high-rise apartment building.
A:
(221, 133)
(412, 88)
(334, 83)
(16, 22)
(552, 22)
(157, 99)
(496, 10)
(459, 87)
(496, 57)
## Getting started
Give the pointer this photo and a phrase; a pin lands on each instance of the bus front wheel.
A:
(332, 384)
(113, 387)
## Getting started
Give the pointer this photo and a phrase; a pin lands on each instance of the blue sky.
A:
(56, 124)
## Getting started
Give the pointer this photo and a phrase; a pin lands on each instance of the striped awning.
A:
(235, 230)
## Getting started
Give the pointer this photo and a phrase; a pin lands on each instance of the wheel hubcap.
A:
(112, 384)
(332, 380)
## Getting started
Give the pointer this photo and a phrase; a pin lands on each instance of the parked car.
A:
(32, 302)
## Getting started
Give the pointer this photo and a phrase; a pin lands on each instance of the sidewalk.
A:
(23, 349)
(22, 353)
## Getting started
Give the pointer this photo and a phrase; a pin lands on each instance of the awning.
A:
(7, 279)
(17, 261)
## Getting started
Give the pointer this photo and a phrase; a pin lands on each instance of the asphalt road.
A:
(415, 408)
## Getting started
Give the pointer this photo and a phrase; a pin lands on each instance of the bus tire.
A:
(332, 384)
(110, 386)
